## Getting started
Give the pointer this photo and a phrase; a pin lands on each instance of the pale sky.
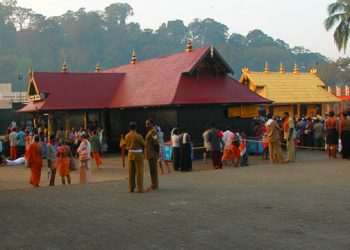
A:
(297, 22)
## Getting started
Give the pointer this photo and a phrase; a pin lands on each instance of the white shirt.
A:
(227, 137)
(175, 141)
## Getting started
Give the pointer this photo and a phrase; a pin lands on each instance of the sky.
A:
(297, 22)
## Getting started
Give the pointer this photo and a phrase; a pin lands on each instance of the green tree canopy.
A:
(83, 38)
(339, 14)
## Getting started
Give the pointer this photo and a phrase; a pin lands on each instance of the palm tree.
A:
(339, 14)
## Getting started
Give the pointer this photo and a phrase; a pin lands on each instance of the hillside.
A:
(29, 39)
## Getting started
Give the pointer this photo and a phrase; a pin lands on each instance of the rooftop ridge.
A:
(193, 52)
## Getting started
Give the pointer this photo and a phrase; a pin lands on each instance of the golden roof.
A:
(288, 88)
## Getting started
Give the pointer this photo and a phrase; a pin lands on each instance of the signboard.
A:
(249, 111)
(234, 112)
(34, 98)
(279, 110)
(311, 111)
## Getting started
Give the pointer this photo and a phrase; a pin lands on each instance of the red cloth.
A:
(35, 162)
(97, 158)
(235, 151)
(13, 153)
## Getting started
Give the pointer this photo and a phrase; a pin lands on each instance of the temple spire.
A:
(189, 45)
(30, 72)
(133, 57)
(64, 67)
(267, 69)
(296, 69)
(281, 68)
(98, 68)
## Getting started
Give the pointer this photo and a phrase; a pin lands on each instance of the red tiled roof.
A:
(155, 82)
(161, 81)
(209, 89)
(32, 106)
(75, 90)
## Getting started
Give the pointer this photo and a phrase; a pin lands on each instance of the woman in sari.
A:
(84, 152)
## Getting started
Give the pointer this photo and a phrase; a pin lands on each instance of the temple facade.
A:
(188, 89)
(343, 93)
(299, 93)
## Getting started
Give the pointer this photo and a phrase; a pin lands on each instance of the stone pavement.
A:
(303, 205)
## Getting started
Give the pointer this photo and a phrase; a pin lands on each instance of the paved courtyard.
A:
(303, 205)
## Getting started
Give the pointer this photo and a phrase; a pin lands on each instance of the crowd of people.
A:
(30, 146)
(331, 133)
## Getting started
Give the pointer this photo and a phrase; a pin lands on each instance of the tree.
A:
(335, 73)
(208, 32)
(339, 14)
(21, 17)
(117, 13)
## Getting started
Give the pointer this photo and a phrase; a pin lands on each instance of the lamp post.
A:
(20, 77)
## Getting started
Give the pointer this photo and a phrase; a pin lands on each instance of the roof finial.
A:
(281, 68)
(98, 68)
(64, 67)
(212, 51)
(267, 69)
(296, 69)
(30, 72)
(133, 57)
(189, 44)
(313, 71)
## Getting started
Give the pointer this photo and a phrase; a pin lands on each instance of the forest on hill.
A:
(83, 38)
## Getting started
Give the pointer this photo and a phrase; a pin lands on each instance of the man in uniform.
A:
(135, 143)
(151, 153)
(288, 128)
(273, 139)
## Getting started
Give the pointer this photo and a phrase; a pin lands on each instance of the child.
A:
(235, 149)
(265, 144)
(243, 160)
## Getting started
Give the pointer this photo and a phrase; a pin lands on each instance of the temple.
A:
(300, 94)
(343, 93)
(187, 89)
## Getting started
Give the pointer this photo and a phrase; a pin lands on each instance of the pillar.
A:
(298, 109)
(50, 130)
(67, 124)
(322, 109)
(85, 120)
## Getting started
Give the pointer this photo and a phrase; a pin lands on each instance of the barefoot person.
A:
(96, 148)
(63, 154)
(331, 128)
(52, 159)
(84, 151)
(162, 156)
(35, 162)
(215, 140)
